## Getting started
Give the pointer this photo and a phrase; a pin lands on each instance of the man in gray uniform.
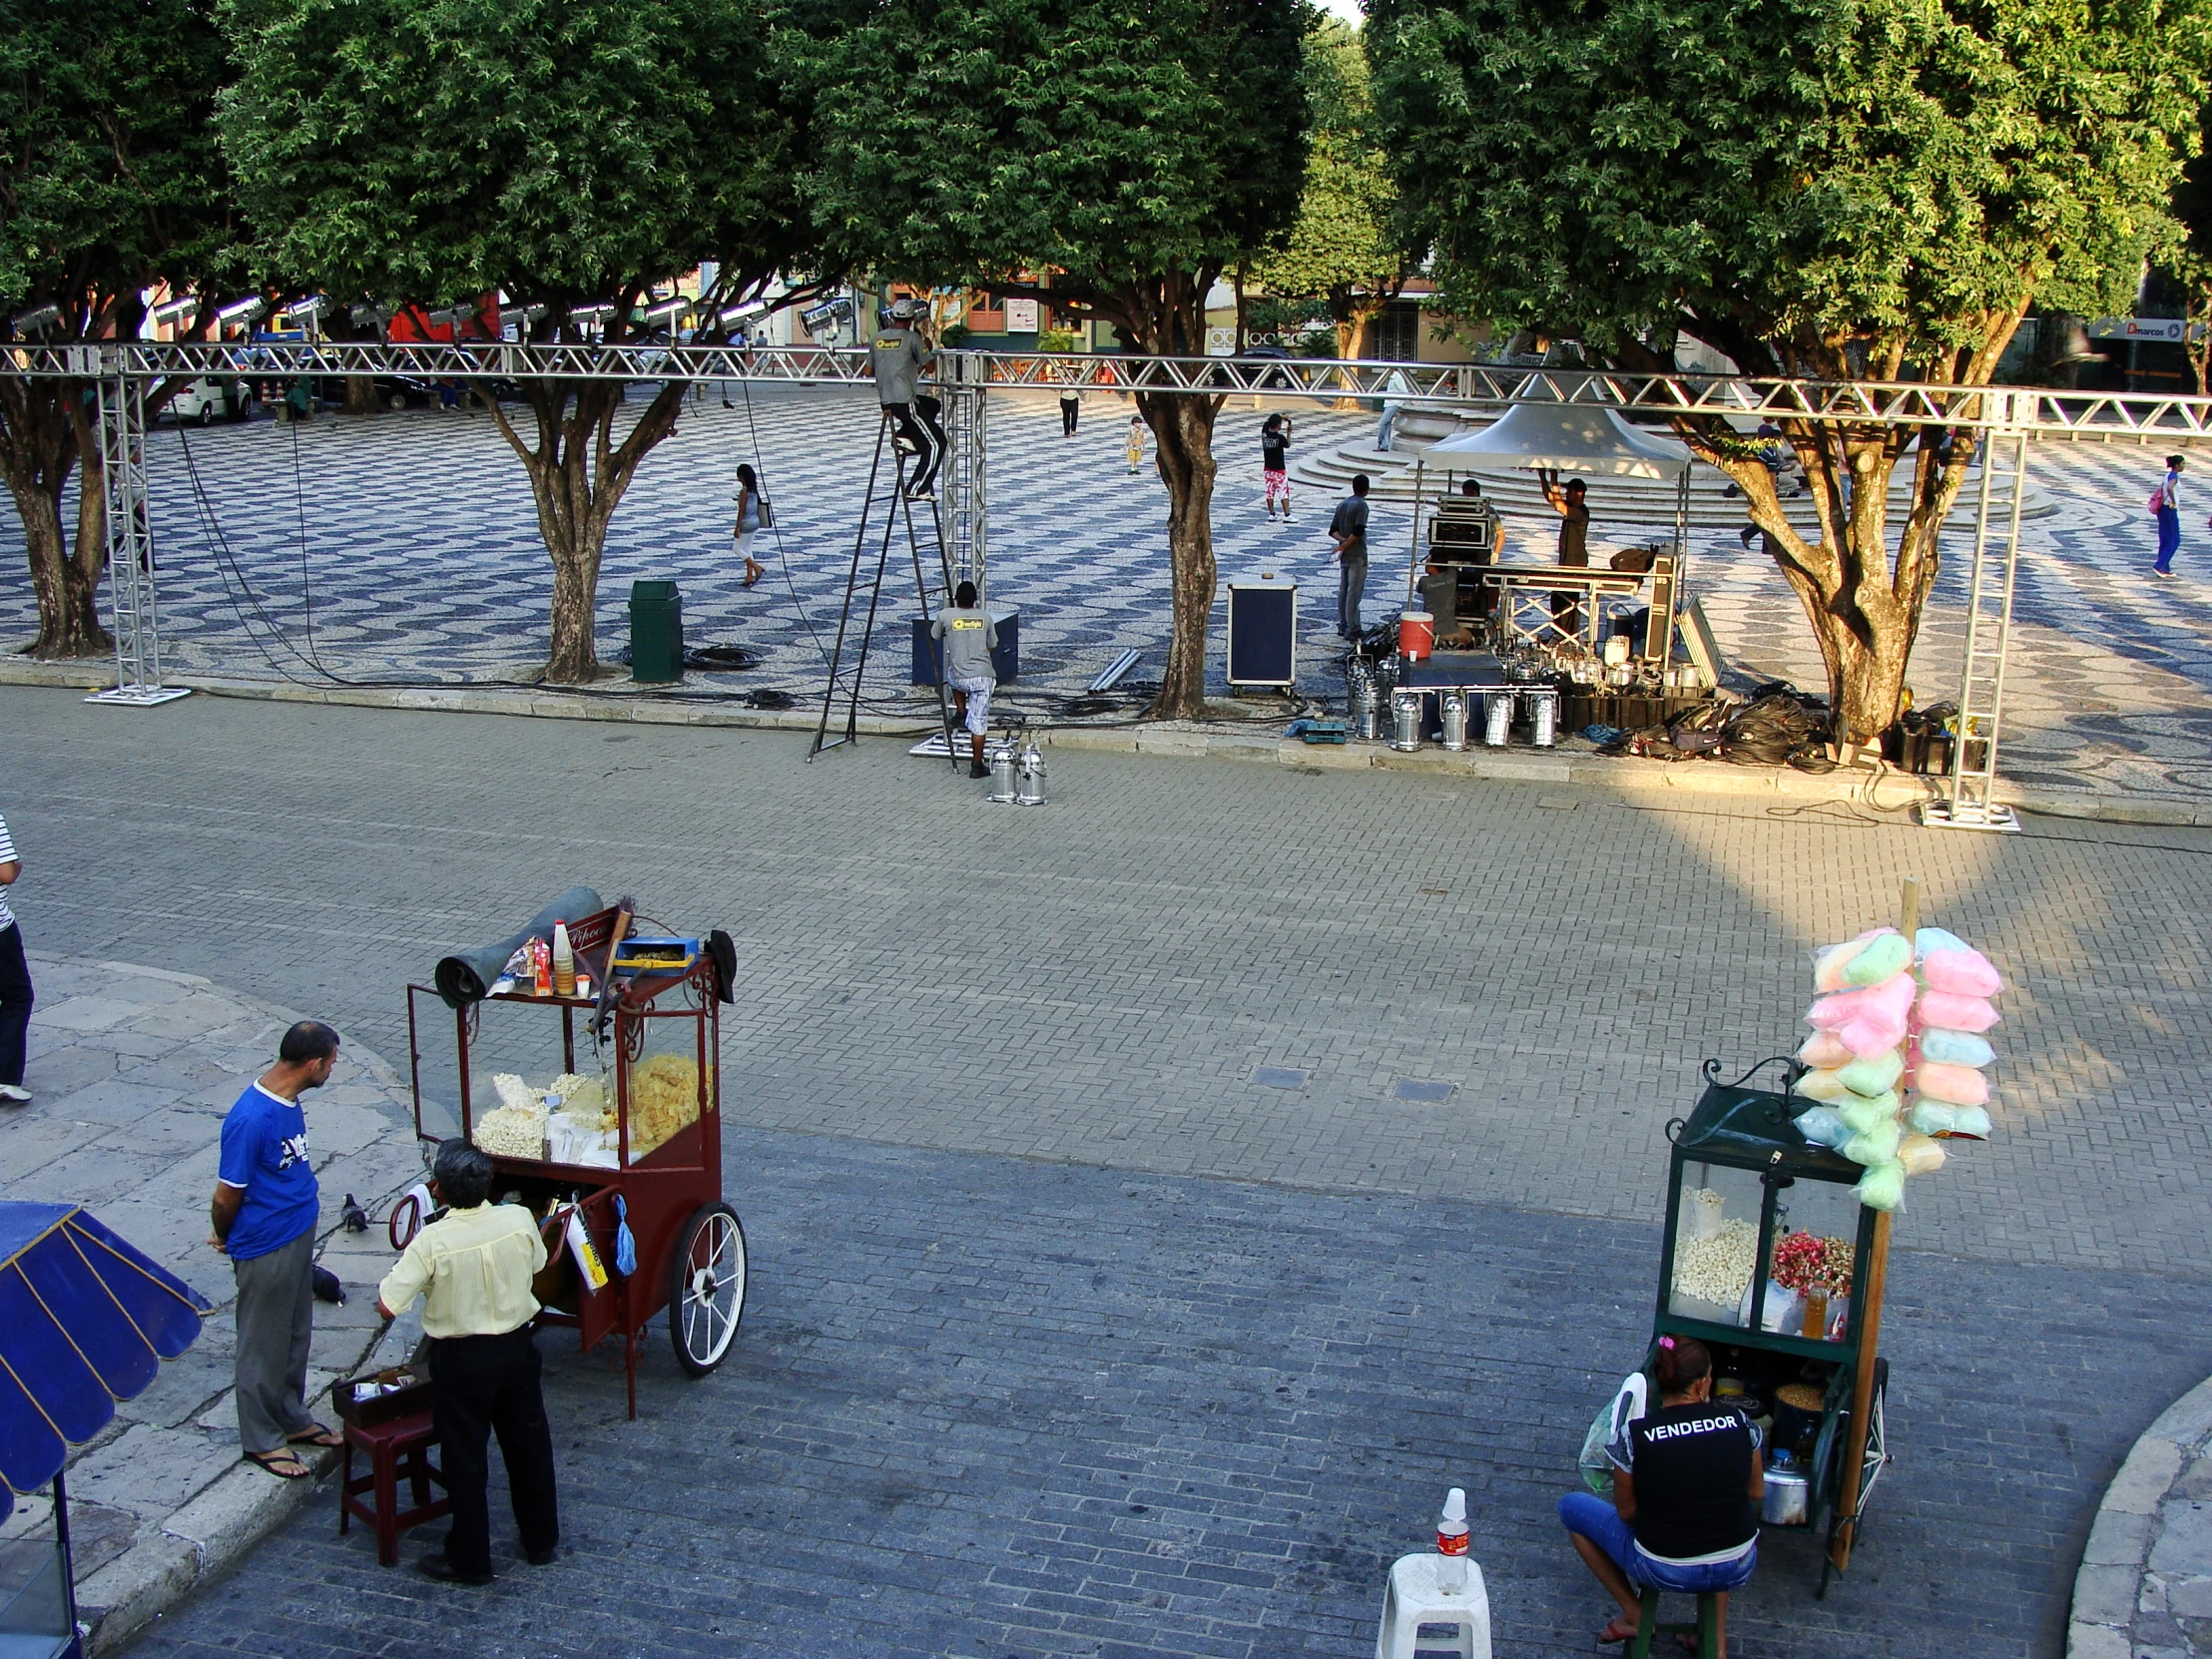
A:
(897, 356)
(969, 636)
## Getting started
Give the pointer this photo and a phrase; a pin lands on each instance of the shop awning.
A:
(85, 1321)
(1579, 438)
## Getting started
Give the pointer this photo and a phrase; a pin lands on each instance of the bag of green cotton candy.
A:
(1883, 1185)
(1823, 1085)
(1824, 1126)
(1876, 1146)
(1867, 960)
(1878, 1074)
(1863, 1115)
(1938, 1117)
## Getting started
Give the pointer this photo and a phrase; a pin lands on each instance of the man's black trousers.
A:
(480, 1386)
(919, 425)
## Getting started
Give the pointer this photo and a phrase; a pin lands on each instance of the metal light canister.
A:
(1543, 717)
(1405, 721)
(1029, 777)
(1453, 707)
(1002, 772)
(1497, 719)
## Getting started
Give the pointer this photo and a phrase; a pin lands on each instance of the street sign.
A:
(2171, 330)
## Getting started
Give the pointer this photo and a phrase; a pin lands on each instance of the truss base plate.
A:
(140, 697)
(1945, 815)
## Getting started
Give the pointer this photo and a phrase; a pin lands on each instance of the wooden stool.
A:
(400, 1446)
(1707, 1630)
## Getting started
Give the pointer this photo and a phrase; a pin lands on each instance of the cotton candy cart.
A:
(634, 1143)
(1795, 1323)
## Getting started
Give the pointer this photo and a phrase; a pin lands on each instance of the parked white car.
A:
(201, 400)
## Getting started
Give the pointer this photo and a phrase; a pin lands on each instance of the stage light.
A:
(308, 309)
(589, 315)
(170, 313)
(40, 319)
(666, 311)
(239, 312)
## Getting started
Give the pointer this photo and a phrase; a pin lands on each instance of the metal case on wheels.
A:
(1263, 632)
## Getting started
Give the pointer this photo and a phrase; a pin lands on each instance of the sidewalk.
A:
(2144, 1591)
(132, 1069)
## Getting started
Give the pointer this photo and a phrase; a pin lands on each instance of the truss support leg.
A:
(130, 547)
(1970, 790)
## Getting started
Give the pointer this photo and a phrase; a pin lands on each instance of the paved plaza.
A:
(404, 547)
(1157, 1197)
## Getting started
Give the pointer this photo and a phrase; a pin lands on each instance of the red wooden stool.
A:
(398, 1448)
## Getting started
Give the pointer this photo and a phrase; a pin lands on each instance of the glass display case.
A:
(38, 1613)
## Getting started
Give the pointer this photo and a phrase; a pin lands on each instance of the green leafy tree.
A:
(573, 154)
(1843, 189)
(1343, 248)
(1133, 153)
(2189, 260)
(110, 180)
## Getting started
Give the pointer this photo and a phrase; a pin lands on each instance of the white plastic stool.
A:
(1413, 1600)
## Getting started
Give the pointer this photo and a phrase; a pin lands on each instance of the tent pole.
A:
(1413, 551)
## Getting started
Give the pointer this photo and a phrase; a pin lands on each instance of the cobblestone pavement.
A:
(989, 1407)
(132, 1069)
(1036, 1037)
(1120, 977)
(2145, 1586)
(406, 545)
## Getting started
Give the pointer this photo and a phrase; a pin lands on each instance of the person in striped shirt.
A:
(15, 983)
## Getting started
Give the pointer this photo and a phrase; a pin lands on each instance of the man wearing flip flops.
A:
(264, 1215)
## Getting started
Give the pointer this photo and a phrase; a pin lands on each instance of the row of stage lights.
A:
(42, 320)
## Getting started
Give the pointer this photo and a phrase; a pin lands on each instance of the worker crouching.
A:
(472, 1269)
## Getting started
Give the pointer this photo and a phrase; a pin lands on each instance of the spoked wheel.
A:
(705, 1287)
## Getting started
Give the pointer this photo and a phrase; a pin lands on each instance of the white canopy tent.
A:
(1583, 439)
(1571, 437)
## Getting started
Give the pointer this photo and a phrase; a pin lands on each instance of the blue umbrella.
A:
(85, 1321)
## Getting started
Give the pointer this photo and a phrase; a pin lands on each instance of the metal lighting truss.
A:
(2005, 419)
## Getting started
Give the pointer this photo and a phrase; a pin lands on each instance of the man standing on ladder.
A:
(898, 355)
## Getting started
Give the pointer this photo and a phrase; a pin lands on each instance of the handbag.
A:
(1608, 1429)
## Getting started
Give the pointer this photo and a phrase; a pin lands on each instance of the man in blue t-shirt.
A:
(264, 1215)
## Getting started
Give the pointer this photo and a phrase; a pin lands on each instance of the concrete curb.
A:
(2117, 1583)
(216, 1525)
(1880, 791)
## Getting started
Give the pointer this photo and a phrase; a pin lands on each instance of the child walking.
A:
(752, 514)
(1274, 447)
(1136, 442)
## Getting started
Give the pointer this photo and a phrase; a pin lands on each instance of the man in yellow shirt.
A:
(472, 1269)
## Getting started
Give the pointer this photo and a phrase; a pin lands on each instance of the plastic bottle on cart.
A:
(564, 961)
(541, 969)
(1452, 1543)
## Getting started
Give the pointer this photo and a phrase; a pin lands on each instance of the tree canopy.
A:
(110, 182)
(1343, 248)
(1125, 156)
(1845, 189)
(572, 151)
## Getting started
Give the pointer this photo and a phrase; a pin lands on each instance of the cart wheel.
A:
(705, 1287)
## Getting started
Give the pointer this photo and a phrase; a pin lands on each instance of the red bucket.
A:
(1417, 633)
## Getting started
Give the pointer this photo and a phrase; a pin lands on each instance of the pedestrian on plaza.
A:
(473, 1268)
(969, 637)
(1396, 387)
(1071, 406)
(264, 1215)
(1572, 503)
(753, 517)
(16, 996)
(1275, 463)
(1349, 525)
(2166, 505)
(1136, 442)
(1687, 1484)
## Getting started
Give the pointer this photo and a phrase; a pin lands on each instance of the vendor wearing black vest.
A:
(1687, 1480)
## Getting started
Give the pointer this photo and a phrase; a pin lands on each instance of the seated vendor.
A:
(1687, 1483)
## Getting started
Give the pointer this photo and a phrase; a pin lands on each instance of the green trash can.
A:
(655, 633)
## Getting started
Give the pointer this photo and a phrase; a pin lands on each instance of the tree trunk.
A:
(578, 476)
(41, 441)
(361, 395)
(1183, 430)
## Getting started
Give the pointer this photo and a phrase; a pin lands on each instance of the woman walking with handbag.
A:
(754, 516)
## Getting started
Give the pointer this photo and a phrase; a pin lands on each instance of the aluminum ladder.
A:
(848, 656)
